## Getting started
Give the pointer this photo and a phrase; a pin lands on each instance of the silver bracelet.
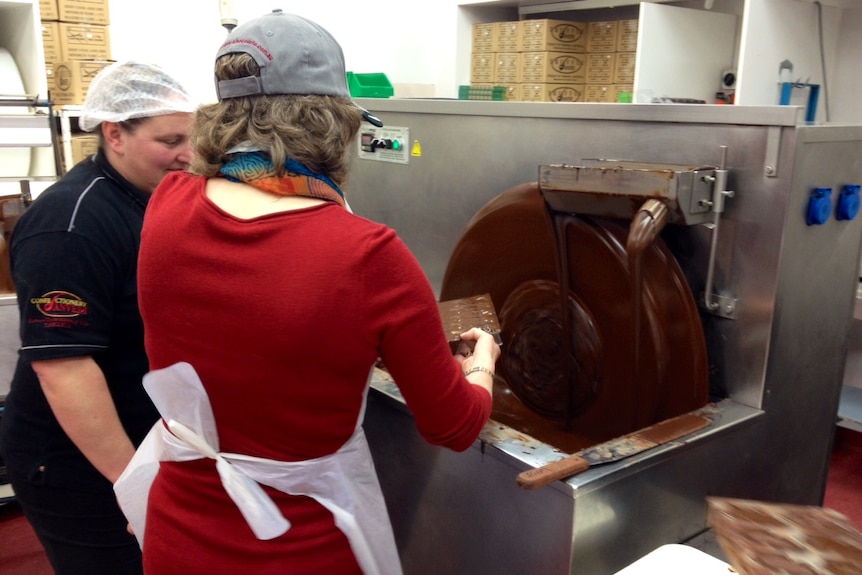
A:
(476, 368)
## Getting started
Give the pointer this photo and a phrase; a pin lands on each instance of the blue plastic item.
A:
(848, 203)
(813, 96)
(819, 206)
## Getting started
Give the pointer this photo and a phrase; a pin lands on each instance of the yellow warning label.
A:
(416, 151)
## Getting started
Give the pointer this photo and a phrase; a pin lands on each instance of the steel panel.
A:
(778, 363)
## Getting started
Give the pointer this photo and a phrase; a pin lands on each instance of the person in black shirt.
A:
(76, 409)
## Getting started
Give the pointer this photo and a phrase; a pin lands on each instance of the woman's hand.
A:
(478, 353)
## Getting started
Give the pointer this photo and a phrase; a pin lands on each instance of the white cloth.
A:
(344, 482)
(675, 559)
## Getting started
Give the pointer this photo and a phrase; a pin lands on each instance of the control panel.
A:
(386, 144)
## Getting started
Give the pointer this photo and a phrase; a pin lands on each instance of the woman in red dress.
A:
(266, 303)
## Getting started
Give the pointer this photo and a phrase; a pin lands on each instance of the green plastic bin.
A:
(374, 85)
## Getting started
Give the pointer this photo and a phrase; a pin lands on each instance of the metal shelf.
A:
(548, 7)
(28, 129)
(545, 6)
(25, 131)
(25, 128)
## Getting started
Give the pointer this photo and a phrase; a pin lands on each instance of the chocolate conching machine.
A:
(760, 250)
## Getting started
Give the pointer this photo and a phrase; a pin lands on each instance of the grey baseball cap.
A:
(295, 56)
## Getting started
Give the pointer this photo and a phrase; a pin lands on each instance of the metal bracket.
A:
(726, 307)
(719, 194)
(773, 147)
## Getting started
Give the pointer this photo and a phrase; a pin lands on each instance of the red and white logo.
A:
(60, 304)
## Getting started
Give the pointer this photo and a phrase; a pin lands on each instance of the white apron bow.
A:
(344, 482)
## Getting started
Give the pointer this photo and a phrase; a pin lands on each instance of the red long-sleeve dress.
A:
(283, 316)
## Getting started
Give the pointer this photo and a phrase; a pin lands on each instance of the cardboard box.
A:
(51, 43)
(624, 67)
(484, 38)
(602, 37)
(507, 68)
(627, 35)
(86, 11)
(553, 68)
(513, 92)
(600, 68)
(552, 92)
(48, 10)
(599, 93)
(72, 79)
(508, 36)
(84, 42)
(553, 36)
(49, 78)
(65, 41)
(84, 146)
(482, 68)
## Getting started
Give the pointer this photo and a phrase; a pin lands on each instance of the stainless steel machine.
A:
(768, 248)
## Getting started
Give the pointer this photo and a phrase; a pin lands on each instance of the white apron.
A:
(344, 482)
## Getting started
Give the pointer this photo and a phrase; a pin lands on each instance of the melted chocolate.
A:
(614, 375)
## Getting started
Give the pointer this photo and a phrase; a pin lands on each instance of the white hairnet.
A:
(127, 90)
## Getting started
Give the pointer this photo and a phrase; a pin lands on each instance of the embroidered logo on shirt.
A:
(60, 304)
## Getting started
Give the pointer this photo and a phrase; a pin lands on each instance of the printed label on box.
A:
(507, 69)
(508, 36)
(600, 68)
(602, 37)
(553, 68)
(48, 10)
(553, 35)
(484, 38)
(72, 79)
(86, 11)
(627, 35)
(552, 92)
(84, 42)
(599, 93)
(51, 43)
(513, 92)
(481, 68)
(624, 68)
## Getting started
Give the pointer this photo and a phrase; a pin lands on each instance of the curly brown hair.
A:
(313, 130)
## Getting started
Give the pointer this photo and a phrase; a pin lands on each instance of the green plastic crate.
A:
(496, 93)
(374, 85)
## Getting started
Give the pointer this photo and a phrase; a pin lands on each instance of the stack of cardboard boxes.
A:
(555, 60)
(77, 46)
(611, 50)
